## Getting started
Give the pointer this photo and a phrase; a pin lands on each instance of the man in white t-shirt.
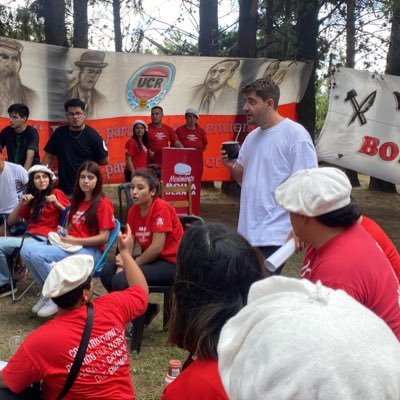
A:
(269, 155)
(13, 178)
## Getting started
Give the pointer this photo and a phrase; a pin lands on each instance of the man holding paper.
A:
(269, 155)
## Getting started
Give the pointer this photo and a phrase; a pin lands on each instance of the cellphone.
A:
(62, 232)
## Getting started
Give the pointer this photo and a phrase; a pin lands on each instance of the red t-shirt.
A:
(158, 138)
(199, 381)
(192, 138)
(48, 352)
(352, 261)
(384, 242)
(139, 156)
(105, 219)
(161, 217)
(49, 217)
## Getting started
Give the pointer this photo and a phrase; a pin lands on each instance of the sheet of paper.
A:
(274, 261)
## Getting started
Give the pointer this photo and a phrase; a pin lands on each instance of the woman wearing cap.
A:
(215, 269)
(41, 207)
(89, 224)
(136, 150)
(158, 231)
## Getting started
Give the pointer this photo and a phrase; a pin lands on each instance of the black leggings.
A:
(157, 273)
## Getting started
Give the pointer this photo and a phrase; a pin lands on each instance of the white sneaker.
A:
(39, 304)
(48, 309)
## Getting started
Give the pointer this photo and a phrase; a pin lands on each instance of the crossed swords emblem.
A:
(360, 109)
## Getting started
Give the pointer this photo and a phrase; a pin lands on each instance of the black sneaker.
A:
(6, 290)
(151, 313)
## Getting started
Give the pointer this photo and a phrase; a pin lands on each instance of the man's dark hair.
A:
(157, 108)
(21, 109)
(74, 103)
(343, 217)
(70, 299)
(265, 88)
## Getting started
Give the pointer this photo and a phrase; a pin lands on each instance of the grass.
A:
(149, 368)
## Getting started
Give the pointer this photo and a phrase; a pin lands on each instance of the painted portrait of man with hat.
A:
(12, 90)
(91, 66)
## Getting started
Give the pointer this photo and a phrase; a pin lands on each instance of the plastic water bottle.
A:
(174, 369)
(14, 342)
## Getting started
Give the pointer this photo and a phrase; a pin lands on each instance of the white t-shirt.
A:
(12, 182)
(268, 158)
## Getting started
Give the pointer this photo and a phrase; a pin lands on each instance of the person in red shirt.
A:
(136, 149)
(160, 135)
(191, 135)
(46, 355)
(41, 207)
(90, 221)
(340, 253)
(157, 230)
(215, 269)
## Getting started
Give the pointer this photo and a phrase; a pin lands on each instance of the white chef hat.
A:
(314, 192)
(300, 341)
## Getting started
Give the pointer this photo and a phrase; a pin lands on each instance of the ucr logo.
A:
(149, 84)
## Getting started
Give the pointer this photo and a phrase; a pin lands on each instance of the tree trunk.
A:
(350, 62)
(392, 68)
(81, 25)
(306, 49)
(208, 35)
(247, 33)
(117, 25)
(54, 22)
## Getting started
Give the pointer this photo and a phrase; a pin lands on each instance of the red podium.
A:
(180, 166)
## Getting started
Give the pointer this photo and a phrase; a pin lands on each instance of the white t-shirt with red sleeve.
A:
(48, 352)
(160, 217)
(49, 217)
(105, 219)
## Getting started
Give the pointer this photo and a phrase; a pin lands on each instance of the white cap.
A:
(42, 168)
(192, 111)
(67, 275)
(297, 340)
(314, 192)
(140, 121)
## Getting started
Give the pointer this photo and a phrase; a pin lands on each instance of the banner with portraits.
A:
(118, 88)
(362, 128)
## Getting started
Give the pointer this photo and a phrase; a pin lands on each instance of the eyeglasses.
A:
(74, 114)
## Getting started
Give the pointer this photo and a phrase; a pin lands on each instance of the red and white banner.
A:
(362, 128)
(120, 87)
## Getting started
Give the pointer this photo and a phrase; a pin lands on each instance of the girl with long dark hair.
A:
(158, 231)
(136, 150)
(215, 268)
(40, 206)
(90, 221)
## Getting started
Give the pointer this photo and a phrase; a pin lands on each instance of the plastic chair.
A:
(111, 240)
(13, 259)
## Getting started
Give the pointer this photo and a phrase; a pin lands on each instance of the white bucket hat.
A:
(297, 340)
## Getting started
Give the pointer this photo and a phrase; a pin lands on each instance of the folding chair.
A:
(13, 259)
(186, 189)
(124, 189)
(111, 240)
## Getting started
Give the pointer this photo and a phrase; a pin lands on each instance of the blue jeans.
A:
(40, 256)
(7, 246)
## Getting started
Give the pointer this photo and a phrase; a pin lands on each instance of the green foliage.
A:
(21, 24)
(322, 103)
